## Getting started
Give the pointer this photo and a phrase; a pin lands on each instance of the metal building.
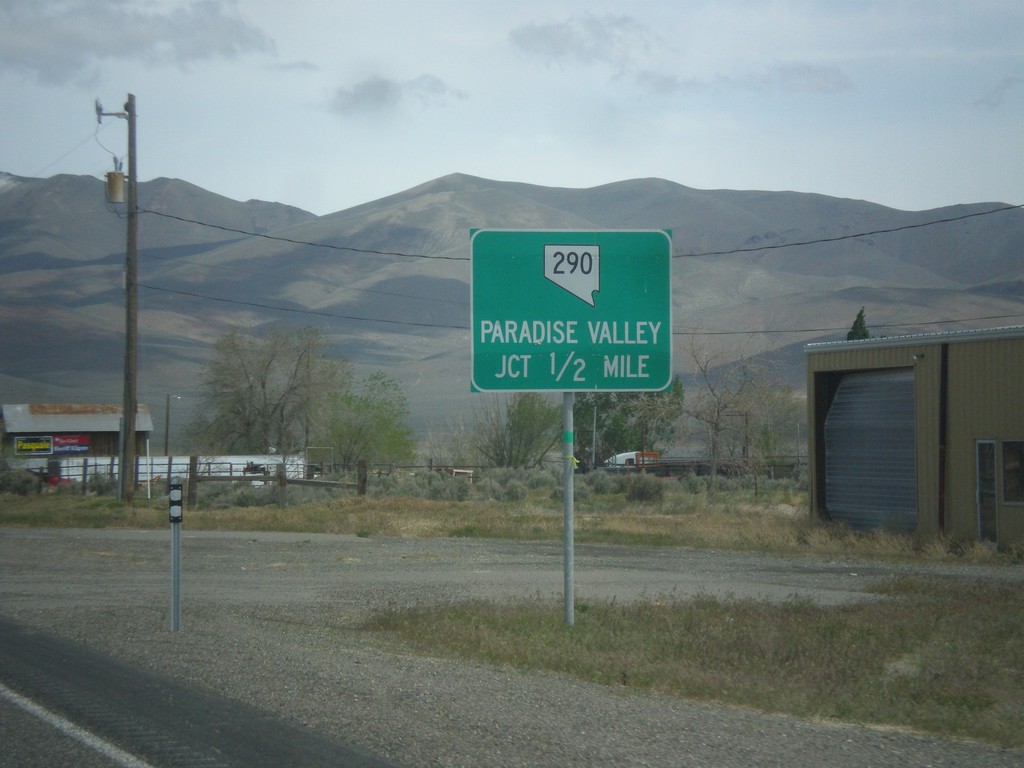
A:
(920, 434)
(55, 430)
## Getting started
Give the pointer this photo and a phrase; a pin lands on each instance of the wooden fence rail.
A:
(280, 478)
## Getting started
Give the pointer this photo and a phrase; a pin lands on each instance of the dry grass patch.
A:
(940, 656)
(776, 523)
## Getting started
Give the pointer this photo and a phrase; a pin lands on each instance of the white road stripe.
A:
(80, 735)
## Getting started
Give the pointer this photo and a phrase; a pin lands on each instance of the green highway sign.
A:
(572, 311)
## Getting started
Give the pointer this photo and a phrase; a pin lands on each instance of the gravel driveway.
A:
(270, 619)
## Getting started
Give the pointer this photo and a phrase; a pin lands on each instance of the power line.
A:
(297, 311)
(294, 241)
(697, 332)
(837, 238)
(694, 332)
(331, 246)
(92, 136)
(729, 252)
(178, 260)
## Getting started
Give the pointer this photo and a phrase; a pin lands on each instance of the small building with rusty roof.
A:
(56, 430)
(921, 434)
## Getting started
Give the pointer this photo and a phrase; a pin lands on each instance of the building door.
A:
(870, 453)
(986, 490)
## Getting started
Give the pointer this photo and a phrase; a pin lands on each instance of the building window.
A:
(1013, 470)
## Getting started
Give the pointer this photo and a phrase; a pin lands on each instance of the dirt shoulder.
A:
(272, 620)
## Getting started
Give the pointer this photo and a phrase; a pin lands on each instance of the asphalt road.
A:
(127, 715)
(270, 656)
(30, 741)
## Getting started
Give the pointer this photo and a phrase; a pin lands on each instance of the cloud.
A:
(60, 41)
(640, 55)
(792, 77)
(299, 65)
(787, 77)
(666, 84)
(379, 95)
(375, 94)
(995, 98)
(618, 41)
(809, 78)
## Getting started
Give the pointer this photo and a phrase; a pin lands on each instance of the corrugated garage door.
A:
(870, 475)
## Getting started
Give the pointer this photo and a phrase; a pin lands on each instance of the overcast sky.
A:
(326, 104)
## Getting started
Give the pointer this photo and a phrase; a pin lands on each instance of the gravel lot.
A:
(270, 619)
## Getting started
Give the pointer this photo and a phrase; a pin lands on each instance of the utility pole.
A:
(131, 289)
(126, 470)
(167, 423)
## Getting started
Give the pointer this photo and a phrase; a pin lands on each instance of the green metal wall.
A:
(967, 387)
(986, 395)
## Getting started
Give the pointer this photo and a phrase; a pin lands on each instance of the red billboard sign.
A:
(71, 443)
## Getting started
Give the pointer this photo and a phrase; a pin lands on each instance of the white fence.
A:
(155, 469)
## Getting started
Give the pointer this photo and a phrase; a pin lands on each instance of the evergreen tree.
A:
(859, 330)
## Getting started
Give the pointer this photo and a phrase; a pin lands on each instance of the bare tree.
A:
(726, 397)
(451, 447)
(517, 432)
(627, 420)
(774, 413)
(263, 393)
(654, 415)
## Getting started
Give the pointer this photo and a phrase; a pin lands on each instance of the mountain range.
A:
(754, 274)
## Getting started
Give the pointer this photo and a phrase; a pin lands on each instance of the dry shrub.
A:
(644, 487)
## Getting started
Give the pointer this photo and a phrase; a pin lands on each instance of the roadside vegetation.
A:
(940, 655)
(765, 515)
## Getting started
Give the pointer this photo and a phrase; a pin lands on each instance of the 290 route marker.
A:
(571, 311)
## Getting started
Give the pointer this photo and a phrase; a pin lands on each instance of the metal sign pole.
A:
(591, 312)
(175, 577)
(569, 464)
(175, 501)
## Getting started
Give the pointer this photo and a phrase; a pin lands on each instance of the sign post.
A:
(571, 311)
(569, 512)
(175, 513)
